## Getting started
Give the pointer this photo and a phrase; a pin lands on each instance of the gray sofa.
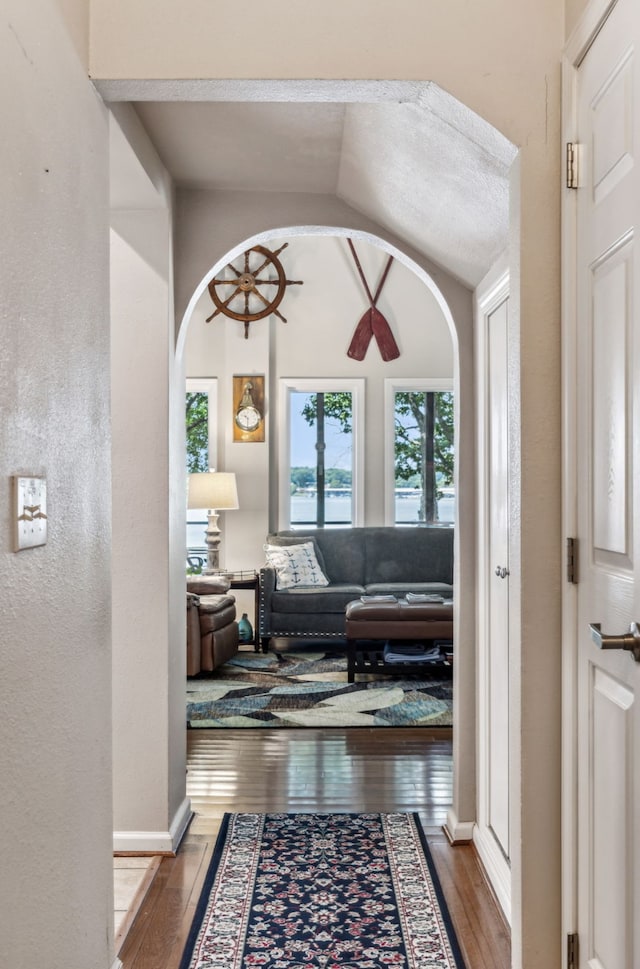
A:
(357, 561)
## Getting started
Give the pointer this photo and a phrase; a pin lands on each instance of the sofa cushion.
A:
(216, 615)
(333, 598)
(400, 589)
(309, 626)
(295, 565)
(408, 555)
(342, 551)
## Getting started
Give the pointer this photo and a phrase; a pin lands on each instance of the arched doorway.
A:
(258, 355)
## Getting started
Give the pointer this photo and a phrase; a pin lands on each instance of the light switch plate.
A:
(29, 511)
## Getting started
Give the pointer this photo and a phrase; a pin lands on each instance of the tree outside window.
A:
(197, 431)
(322, 430)
(424, 450)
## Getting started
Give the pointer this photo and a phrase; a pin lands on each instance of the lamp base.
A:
(212, 541)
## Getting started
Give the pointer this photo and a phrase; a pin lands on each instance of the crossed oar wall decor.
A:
(372, 322)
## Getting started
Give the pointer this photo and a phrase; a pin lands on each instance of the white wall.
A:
(321, 315)
(473, 51)
(150, 808)
(56, 890)
(574, 9)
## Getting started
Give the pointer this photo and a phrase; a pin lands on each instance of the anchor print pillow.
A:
(295, 565)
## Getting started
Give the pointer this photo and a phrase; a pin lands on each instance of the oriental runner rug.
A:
(321, 891)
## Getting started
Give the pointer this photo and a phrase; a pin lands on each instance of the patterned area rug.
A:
(320, 891)
(305, 686)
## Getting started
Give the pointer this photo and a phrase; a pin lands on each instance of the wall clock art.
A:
(248, 408)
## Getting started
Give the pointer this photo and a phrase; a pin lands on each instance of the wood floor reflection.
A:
(284, 770)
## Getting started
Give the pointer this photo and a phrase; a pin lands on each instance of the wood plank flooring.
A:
(316, 770)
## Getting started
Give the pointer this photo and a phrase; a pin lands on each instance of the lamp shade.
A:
(213, 489)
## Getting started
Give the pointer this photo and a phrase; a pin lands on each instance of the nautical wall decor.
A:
(252, 290)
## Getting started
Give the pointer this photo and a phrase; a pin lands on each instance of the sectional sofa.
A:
(354, 562)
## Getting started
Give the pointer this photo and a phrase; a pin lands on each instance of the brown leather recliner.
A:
(212, 630)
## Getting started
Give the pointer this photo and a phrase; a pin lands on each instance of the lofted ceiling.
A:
(429, 171)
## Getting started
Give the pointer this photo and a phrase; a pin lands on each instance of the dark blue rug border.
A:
(205, 891)
(444, 908)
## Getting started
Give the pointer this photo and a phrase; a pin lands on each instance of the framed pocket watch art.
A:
(248, 408)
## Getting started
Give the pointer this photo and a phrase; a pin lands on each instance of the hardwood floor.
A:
(315, 770)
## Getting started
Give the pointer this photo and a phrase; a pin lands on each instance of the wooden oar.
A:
(372, 322)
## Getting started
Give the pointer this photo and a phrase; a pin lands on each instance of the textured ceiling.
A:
(431, 172)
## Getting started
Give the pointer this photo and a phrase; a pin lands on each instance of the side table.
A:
(247, 579)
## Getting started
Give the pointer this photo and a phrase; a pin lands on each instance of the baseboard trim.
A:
(155, 842)
(458, 832)
(496, 868)
(117, 964)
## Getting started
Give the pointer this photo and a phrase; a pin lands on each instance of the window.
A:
(419, 452)
(321, 455)
(200, 421)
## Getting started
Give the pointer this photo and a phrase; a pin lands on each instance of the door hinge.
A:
(572, 165)
(572, 951)
(572, 560)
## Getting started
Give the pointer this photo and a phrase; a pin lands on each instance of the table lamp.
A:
(216, 491)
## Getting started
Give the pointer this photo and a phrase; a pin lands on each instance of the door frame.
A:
(492, 292)
(581, 39)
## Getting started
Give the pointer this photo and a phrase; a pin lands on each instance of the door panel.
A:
(608, 493)
(498, 640)
(611, 797)
(612, 125)
(610, 471)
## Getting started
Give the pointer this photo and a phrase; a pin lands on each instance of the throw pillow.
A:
(278, 538)
(295, 565)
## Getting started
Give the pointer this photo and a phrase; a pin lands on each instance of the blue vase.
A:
(245, 629)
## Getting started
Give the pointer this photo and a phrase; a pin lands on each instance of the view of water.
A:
(337, 510)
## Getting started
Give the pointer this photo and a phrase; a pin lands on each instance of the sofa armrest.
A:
(193, 635)
(208, 585)
(267, 587)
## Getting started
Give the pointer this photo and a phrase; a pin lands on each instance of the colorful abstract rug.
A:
(322, 891)
(302, 685)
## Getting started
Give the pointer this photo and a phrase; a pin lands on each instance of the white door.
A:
(608, 494)
(492, 835)
(498, 638)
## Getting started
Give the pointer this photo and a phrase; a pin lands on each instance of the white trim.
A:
(156, 841)
(117, 964)
(581, 39)
(392, 385)
(497, 871)
(458, 832)
(586, 31)
(492, 293)
(327, 385)
(426, 94)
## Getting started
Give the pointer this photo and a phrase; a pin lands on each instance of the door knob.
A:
(501, 572)
(629, 641)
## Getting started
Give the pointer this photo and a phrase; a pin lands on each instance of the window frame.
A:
(324, 385)
(393, 385)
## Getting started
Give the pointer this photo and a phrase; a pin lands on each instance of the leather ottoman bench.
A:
(400, 620)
